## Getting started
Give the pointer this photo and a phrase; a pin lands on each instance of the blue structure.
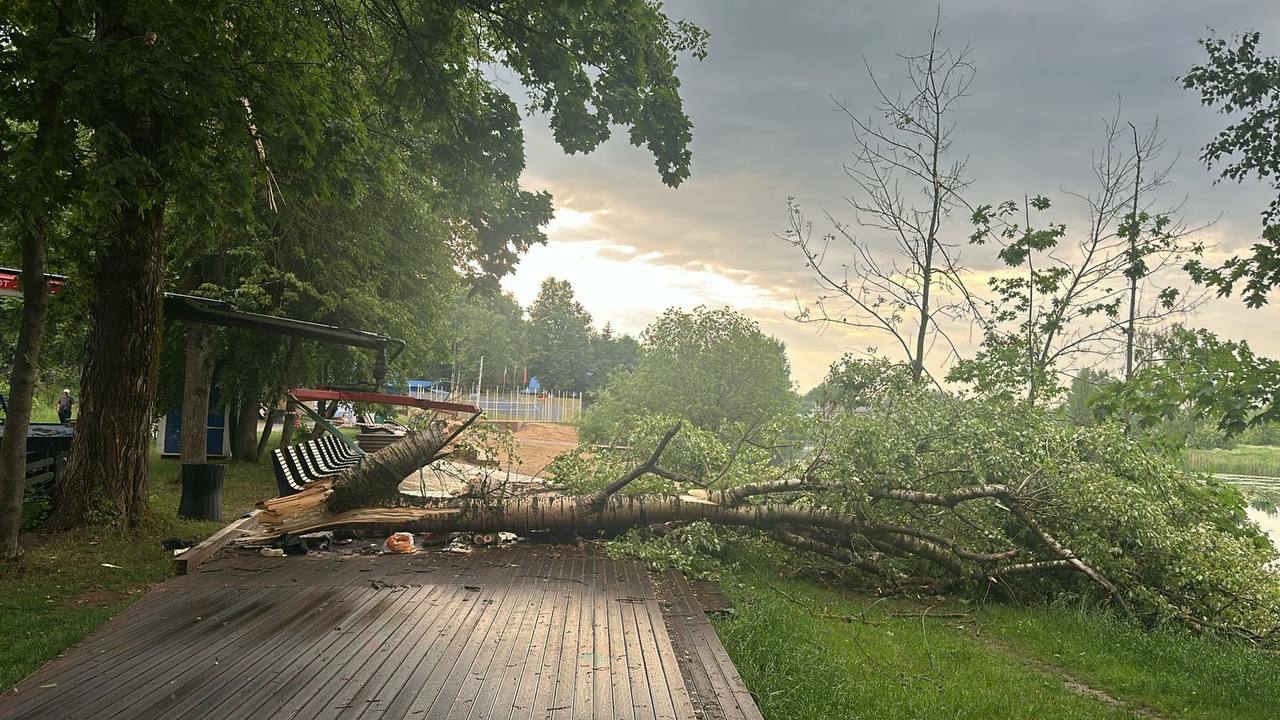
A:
(217, 442)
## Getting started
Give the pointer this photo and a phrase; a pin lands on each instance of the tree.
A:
(714, 368)
(559, 338)
(903, 295)
(1082, 296)
(852, 383)
(40, 156)
(487, 325)
(200, 101)
(1239, 80)
(921, 492)
(1192, 372)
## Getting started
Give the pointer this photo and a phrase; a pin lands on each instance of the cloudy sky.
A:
(766, 128)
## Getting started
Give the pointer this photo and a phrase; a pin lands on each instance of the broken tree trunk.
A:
(366, 499)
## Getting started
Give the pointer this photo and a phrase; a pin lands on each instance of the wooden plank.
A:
(669, 693)
(525, 649)
(425, 639)
(262, 664)
(191, 559)
(563, 634)
(469, 696)
(704, 657)
(619, 677)
(443, 675)
(524, 704)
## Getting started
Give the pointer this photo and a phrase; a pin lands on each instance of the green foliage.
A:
(853, 383)
(489, 325)
(1080, 397)
(560, 338)
(1058, 305)
(690, 548)
(1238, 80)
(1177, 544)
(714, 368)
(1190, 372)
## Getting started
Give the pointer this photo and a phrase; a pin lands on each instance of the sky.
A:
(766, 128)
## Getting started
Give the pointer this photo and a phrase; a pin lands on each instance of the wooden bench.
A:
(297, 465)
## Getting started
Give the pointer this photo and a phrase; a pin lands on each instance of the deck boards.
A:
(532, 631)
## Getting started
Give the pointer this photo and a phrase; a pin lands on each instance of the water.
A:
(1261, 488)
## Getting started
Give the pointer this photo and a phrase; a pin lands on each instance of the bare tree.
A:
(1083, 298)
(902, 292)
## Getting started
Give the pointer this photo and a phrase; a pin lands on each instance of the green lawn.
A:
(820, 653)
(60, 590)
(1170, 670)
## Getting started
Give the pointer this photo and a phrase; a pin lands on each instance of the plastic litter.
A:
(401, 542)
(271, 552)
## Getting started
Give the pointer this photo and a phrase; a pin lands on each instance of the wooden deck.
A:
(537, 631)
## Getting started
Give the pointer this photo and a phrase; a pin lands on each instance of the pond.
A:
(1261, 488)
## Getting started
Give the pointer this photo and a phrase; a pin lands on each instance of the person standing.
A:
(64, 406)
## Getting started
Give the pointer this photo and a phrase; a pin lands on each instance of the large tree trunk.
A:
(244, 435)
(197, 378)
(107, 473)
(22, 382)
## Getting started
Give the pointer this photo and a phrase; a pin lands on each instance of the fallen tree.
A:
(945, 492)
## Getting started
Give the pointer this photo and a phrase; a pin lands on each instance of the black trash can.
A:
(202, 491)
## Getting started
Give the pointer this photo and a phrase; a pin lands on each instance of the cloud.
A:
(766, 129)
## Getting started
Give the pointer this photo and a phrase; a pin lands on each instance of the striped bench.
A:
(297, 465)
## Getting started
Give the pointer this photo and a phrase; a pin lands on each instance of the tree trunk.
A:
(50, 131)
(290, 378)
(244, 438)
(200, 346)
(22, 382)
(107, 471)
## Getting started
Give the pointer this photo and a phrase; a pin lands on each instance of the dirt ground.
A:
(537, 444)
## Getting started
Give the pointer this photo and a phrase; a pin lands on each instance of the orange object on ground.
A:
(401, 542)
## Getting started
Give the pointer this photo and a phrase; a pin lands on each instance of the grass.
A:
(1259, 460)
(815, 652)
(60, 590)
(1170, 670)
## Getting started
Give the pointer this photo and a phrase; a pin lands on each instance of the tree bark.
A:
(107, 472)
(197, 378)
(244, 437)
(290, 379)
(22, 382)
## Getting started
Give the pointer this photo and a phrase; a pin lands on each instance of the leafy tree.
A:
(610, 352)
(1080, 295)
(1189, 372)
(852, 383)
(559, 338)
(489, 325)
(902, 295)
(208, 100)
(1085, 388)
(714, 368)
(1237, 79)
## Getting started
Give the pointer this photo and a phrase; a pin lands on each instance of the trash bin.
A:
(202, 491)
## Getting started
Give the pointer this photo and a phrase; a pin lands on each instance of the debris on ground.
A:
(401, 542)
(271, 552)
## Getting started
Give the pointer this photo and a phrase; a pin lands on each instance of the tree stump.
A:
(202, 491)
